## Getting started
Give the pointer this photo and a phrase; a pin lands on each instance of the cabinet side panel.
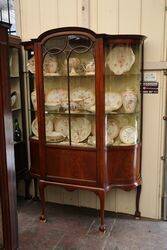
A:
(123, 165)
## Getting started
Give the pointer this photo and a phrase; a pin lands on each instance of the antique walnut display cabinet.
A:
(85, 111)
(16, 82)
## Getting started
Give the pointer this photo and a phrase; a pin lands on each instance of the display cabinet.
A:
(16, 81)
(85, 111)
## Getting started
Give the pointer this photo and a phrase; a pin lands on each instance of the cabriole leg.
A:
(42, 196)
(36, 198)
(138, 192)
(102, 202)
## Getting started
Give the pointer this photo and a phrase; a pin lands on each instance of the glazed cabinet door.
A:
(66, 108)
(123, 110)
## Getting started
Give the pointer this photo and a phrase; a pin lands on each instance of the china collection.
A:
(119, 61)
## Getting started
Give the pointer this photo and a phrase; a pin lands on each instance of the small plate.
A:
(128, 135)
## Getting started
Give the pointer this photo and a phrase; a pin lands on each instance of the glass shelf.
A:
(64, 113)
(122, 75)
(16, 76)
(62, 76)
(122, 113)
(16, 109)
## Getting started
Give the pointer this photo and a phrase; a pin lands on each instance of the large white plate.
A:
(113, 101)
(120, 59)
(48, 125)
(61, 124)
(80, 127)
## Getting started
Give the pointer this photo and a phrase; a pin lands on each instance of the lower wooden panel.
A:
(124, 165)
(74, 164)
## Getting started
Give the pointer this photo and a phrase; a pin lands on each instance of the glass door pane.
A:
(82, 92)
(56, 91)
(122, 96)
(69, 85)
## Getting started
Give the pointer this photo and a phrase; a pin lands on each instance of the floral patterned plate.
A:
(86, 95)
(128, 135)
(113, 101)
(80, 127)
(120, 59)
(48, 124)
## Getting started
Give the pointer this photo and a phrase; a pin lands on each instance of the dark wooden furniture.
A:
(7, 168)
(18, 111)
(109, 156)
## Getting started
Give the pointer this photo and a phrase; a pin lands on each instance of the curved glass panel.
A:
(122, 94)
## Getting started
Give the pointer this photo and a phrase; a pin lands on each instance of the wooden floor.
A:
(73, 228)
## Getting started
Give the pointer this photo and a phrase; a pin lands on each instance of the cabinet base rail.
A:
(100, 192)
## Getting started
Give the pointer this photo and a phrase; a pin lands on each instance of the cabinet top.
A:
(84, 32)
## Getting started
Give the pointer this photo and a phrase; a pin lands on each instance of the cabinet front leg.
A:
(43, 205)
(101, 196)
(36, 198)
(138, 193)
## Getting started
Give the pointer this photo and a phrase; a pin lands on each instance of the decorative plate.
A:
(75, 105)
(55, 97)
(73, 65)
(31, 65)
(48, 124)
(55, 136)
(128, 135)
(112, 130)
(90, 68)
(120, 59)
(61, 125)
(80, 129)
(13, 98)
(86, 95)
(113, 101)
(50, 65)
(129, 99)
(34, 99)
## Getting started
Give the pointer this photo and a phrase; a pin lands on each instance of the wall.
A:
(116, 17)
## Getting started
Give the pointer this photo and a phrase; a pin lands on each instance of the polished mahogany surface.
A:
(98, 169)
